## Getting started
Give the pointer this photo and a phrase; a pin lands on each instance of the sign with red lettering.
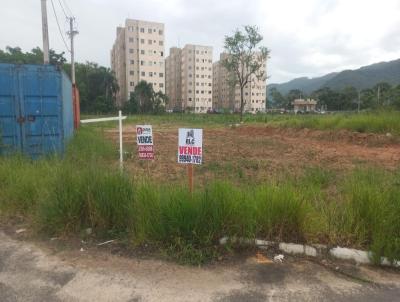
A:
(190, 146)
(144, 139)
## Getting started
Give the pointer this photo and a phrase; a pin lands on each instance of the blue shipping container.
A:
(36, 116)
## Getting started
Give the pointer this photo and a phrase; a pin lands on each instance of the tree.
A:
(279, 101)
(245, 59)
(145, 100)
(291, 96)
(14, 55)
(97, 87)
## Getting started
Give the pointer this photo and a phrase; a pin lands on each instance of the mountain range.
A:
(364, 77)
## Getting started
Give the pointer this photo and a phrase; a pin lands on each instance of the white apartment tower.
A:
(195, 81)
(227, 97)
(173, 79)
(138, 55)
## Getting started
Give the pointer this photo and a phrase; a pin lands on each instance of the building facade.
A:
(173, 79)
(138, 55)
(226, 97)
(304, 105)
(195, 81)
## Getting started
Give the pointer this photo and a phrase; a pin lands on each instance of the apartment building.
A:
(195, 66)
(137, 55)
(173, 79)
(227, 97)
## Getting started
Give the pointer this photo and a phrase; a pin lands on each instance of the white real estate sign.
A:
(144, 139)
(190, 146)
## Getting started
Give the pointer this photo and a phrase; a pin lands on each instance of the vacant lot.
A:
(255, 153)
(261, 179)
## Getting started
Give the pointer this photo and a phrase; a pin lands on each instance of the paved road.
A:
(32, 273)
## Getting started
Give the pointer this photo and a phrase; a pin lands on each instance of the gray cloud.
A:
(307, 38)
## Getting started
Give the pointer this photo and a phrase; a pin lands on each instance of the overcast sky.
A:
(306, 37)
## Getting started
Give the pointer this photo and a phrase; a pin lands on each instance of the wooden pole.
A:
(190, 177)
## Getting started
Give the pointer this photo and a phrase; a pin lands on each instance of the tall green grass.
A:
(364, 122)
(63, 196)
(367, 122)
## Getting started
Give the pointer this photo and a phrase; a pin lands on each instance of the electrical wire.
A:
(67, 7)
(58, 25)
(62, 8)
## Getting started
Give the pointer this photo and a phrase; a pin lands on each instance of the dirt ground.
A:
(40, 271)
(251, 153)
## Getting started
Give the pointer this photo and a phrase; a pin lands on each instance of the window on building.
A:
(149, 31)
(130, 50)
(150, 74)
(132, 62)
(142, 30)
(142, 51)
(162, 53)
(197, 91)
(131, 40)
(160, 32)
(131, 72)
(143, 73)
(142, 63)
(190, 99)
(142, 41)
(131, 84)
(150, 42)
(161, 75)
(161, 85)
(190, 91)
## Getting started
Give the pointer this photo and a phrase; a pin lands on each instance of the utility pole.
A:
(45, 33)
(71, 34)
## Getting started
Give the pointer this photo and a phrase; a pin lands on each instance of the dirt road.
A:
(30, 273)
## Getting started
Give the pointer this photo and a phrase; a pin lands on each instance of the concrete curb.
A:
(313, 250)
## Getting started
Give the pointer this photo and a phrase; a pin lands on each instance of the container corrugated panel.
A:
(36, 115)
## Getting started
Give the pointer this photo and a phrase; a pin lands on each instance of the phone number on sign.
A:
(145, 148)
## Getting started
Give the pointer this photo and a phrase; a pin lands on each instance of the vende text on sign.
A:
(190, 146)
(144, 139)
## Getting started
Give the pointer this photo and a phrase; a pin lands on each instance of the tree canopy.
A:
(15, 55)
(245, 58)
(145, 100)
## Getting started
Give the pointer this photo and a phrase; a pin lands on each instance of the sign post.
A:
(107, 119)
(190, 150)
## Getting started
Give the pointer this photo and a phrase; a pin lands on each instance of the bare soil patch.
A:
(256, 153)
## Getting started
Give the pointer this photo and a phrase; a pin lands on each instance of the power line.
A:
(65, 14)
(58, 25)
(67, 7)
